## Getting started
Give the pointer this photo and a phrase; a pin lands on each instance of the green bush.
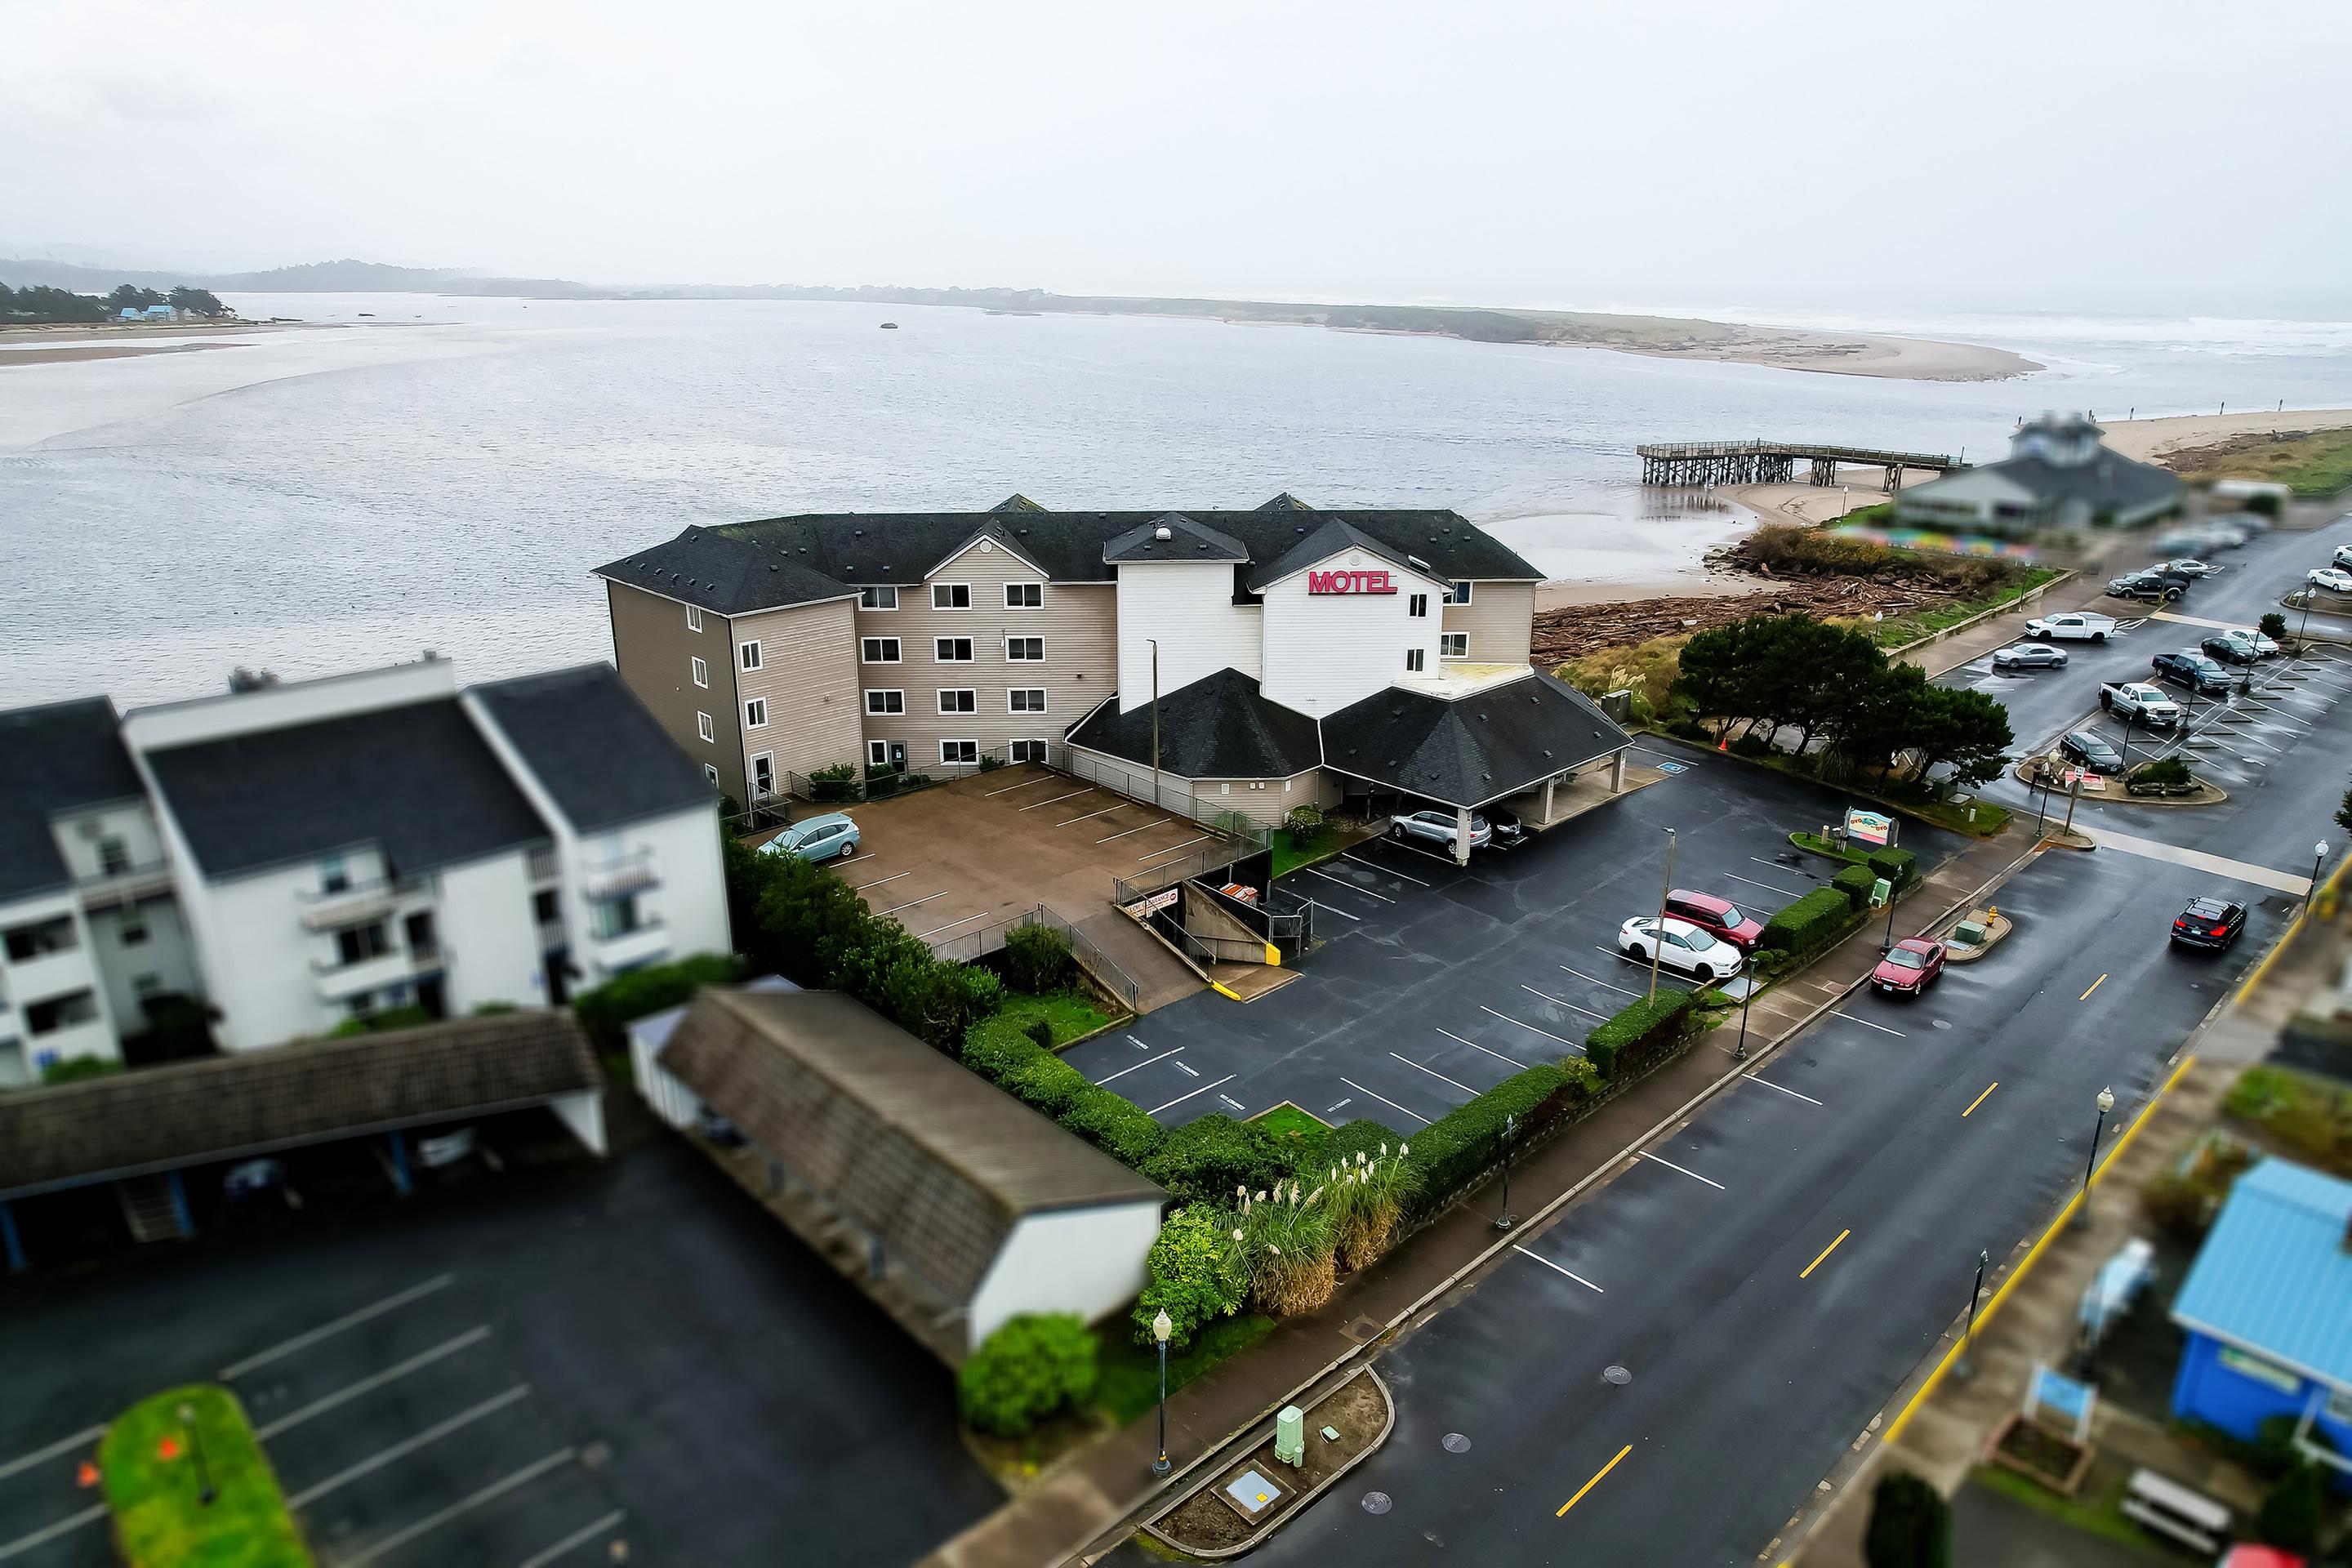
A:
(2273, 626)
(1304, 822)
(1637, 1031)
(990, 761)
(2294, 1511)
(1026, 1371)
(2165, 775)
(1040, 1030)
(833, 784)
(1036, 959)
(1806, 926)
(384, 1022)
(1116, 1126)
(1363, 1136)
(1581, 1080)
(1910, 1525)
(1196, 1273)
(881, 784)
(1048, 1083)
(74, 1069)
(1897, 866)
(1207, 1160)
(606, 1012)
(1450, 1153)
(1857, 883)
(1002, 1052)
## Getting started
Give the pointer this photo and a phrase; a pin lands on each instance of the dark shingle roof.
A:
(419, 780)
(1186, 540)
(740, 567)
(222, 1106)
(604, 759)
(924, 1154)
(1473, 749)
(1219, 727)
(54, 758)
(2108, 481)
(1326, 542)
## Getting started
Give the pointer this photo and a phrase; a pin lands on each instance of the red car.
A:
(1909, 966)
(1717, 917)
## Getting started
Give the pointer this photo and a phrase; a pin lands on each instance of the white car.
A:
(1686, 949)
(1439, 827)
(2186, 567)
(2335, 579)
(2082, 625)
(2343, 555)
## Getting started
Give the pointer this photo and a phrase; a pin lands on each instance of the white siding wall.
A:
(46, 977)
(1325, 651)
(691, 902)
(489, 943)
(1189, 606)
(257, 956)
(78, 837)
(166, 953)
(1088, 1261)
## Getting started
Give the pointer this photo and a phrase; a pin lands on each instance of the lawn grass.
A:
(157, 1516)
(2094, 1510)
(1130, 1382)
(2315, 465)
(1291, 852)
(1898, 630)
(1071, 1013)
(1820, 846)
(1302, 1129)
(2309, 1118)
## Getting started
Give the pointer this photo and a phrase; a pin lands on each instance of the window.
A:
(1413, 659)
(755, 713)
(711, 773)
(417, 930)
(614, 916)
(879, 650)
(1025, 596)
(357, 944)
(763, 775)
(704, 728)
(884, 597)
(1028, 751)
(877, 753)
(951, 650)
(133, 928)
(750, 653)
(113, 859)
(61, 1013)
(1461, 594)
(1453, 645)
(886, 702)
(1024, 650)
(27, 943)
(701, 672)
(145, 985)
(543, 906)
(693, 619)
(959, 750)
(1025, 699)
(1417, 607)
(333, 875)
(960, 701)
(2261, 1371)
(951, 595)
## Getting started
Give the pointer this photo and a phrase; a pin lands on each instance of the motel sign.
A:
(1350, 583)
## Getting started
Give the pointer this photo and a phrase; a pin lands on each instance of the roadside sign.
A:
(2053, 1390)
(2084, 776)
(1873, 827)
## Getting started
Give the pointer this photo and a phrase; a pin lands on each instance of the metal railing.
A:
(631, 872)
(988, 939)
(1157, 878)
(1170, 794)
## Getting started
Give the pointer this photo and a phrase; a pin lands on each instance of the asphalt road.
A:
(1439, 983)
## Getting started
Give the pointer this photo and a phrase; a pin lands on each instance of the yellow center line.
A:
(1980, 1100)
(1833, 1246)
(1594, 1482)
(2086, 996)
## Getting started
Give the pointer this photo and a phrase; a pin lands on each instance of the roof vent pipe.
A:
(1163, 532)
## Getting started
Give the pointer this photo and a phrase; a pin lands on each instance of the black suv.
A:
(2191, 669)
(2089, 750)
(2148, 585)
(2209, 923)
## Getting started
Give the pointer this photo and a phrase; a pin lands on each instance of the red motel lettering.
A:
(1350, 583)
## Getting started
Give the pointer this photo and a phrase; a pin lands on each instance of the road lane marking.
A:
(2086, 996)
(1598, 1017)
(1384, 871)
(1347, 884)
(496, 1490)
(1202, 1090)
(578, 1538)
(1669, 1164)
(1548, 1263)
(1816, 1263)
(1792, 1093)
(62, 1445)
(1980, 1100)
(1187, 1070)
(1592, 1483)
(1090, 817)
(1138, 1045)
(327, 1330)
(1602, 983)
(879, 880)
(408, 1446)
(1449, 1034)
(1319, 904)
(1237, 1104)
(1171, 850)
(910, 903)
(1384, 1100)
(65, 1526)
(1072, 796)
(1868, 1025)
(1438, 1076)
(1765, 885)
(1344, 1100)
(1144, 1063)
(1547, 1034)
(1125, 831)
(369, 1384)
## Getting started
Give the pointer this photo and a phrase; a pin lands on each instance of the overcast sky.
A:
(1811, 154)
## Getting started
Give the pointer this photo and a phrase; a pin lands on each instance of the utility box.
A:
(1969, 932)
(1880, 891)
(1290, 1435)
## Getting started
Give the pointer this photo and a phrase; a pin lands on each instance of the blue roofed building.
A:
(2268, 1309)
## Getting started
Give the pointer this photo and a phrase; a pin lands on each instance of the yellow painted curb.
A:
(1221, 990)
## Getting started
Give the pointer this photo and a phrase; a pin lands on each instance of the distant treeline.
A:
(44, 304)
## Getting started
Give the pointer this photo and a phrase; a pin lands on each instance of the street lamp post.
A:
(2090, 1161)
(1746, 973)
(1963, 1368)
(205, 1494)
(2125, 768)
(2042, 780)
(2318, 855)
(1155, 720)
(1160, 1329)
(1510, 1131)
(1888, 946)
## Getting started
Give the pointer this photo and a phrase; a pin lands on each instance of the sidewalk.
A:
(1089, 1505)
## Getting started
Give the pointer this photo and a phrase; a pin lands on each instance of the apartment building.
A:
(299, 855)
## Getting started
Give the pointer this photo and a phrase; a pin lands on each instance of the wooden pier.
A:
(1775, 463)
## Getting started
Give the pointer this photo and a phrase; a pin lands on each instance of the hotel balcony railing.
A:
(617, 878)
(324, 910)
(645, 945)
(103, 890)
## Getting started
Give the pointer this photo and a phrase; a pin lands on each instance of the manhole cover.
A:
(1941, 1023)
(1455, 1443)
(1364, 1329)
(1377, 1502)
(1616, 1375)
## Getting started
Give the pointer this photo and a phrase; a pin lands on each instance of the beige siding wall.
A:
(1268, 801)
(1078, 622)
(654, 649)
(1500, 619)
(808, 675)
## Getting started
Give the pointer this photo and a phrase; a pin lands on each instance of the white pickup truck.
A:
(2137, 701)
(2079, 625)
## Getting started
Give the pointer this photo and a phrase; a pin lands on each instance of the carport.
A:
(140, 1130)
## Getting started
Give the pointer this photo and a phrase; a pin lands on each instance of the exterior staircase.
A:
(149, 1209)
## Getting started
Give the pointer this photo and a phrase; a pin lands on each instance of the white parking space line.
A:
(1145, 1063)
(431, 1521)
(1670, 1165)
(1435, 1074)
(46, 1533)
(879, 880)
(1868, 1025)
(1024, 784)
(1347, 884)
(1548, 1263)
(910, 903)
(1188, 1070)
(1776, 865)
(952, 924)
(1139, 1045)
(1384, 1100)
(1765, 885)
(327, 1330)
(408, 1446)
(1411, 849)
(1602, 983)
(1792, 1093)
(1090, 817)
(1476, 1046)
(1598, 1017)
(1345, 1100)
(574, 1541)
(344, 1395)
(1171, 850)
(1123, 832)
(1202, 1090)
(1384, 870)
(62, 1445)
(1319, 904)
(1547, 1034)
(1072, 796)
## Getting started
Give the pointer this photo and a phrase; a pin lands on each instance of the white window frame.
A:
(1037, 755)
(1458, 591)
(693, 617)
(1457, 641)
(755, 713)
(870, 651)
(746, 655)
(947, 760)
(951, 590)
(702, 670)
(769, 758)
(870, 598)
(877, 753)
(1012, 691)
(1023, 589)
(1011, 657)
(939, 658)
(1413, 659)
(706, 728)
(884, 709)
(710, 771)
(1417, 607)
(966, 700)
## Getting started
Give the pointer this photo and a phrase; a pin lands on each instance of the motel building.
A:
(1244, 661)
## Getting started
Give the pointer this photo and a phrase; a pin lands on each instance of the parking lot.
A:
(1437, 982)
(585, 1363)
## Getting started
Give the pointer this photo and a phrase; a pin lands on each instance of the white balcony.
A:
(337, 980)
(352, 905)
(32, 980)
(631, 873)
(105, 890)
(89, 1037)
(647, 945)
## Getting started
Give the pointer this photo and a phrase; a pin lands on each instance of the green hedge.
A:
(1897, 866)
(1638, 1029)
(1857, 883)
(1449, 1153)
(1203, 1161)
(1811, 923)
(1026, 1371)
(1002, 1052)
(607, 1011)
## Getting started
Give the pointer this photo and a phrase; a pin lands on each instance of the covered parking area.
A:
(144, 1132)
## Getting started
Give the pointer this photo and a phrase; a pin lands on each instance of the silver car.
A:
(1438, 827)
(2029, 655)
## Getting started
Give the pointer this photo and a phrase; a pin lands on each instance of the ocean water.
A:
(422, 472)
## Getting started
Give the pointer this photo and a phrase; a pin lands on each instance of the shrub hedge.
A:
(1450, 1151)
(1203, 1161)
(1026, 1370)
(1036, 959)
(1857, 883)
(1637, 1030)
(606, 1012)
(1811, 922)
(1000, 1051)
(1897, 866)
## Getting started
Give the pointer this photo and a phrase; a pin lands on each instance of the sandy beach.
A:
(66, 342)
(2151, 440)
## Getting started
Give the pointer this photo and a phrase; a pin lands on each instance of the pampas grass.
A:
(1367, 1201)
(1289, 1236)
